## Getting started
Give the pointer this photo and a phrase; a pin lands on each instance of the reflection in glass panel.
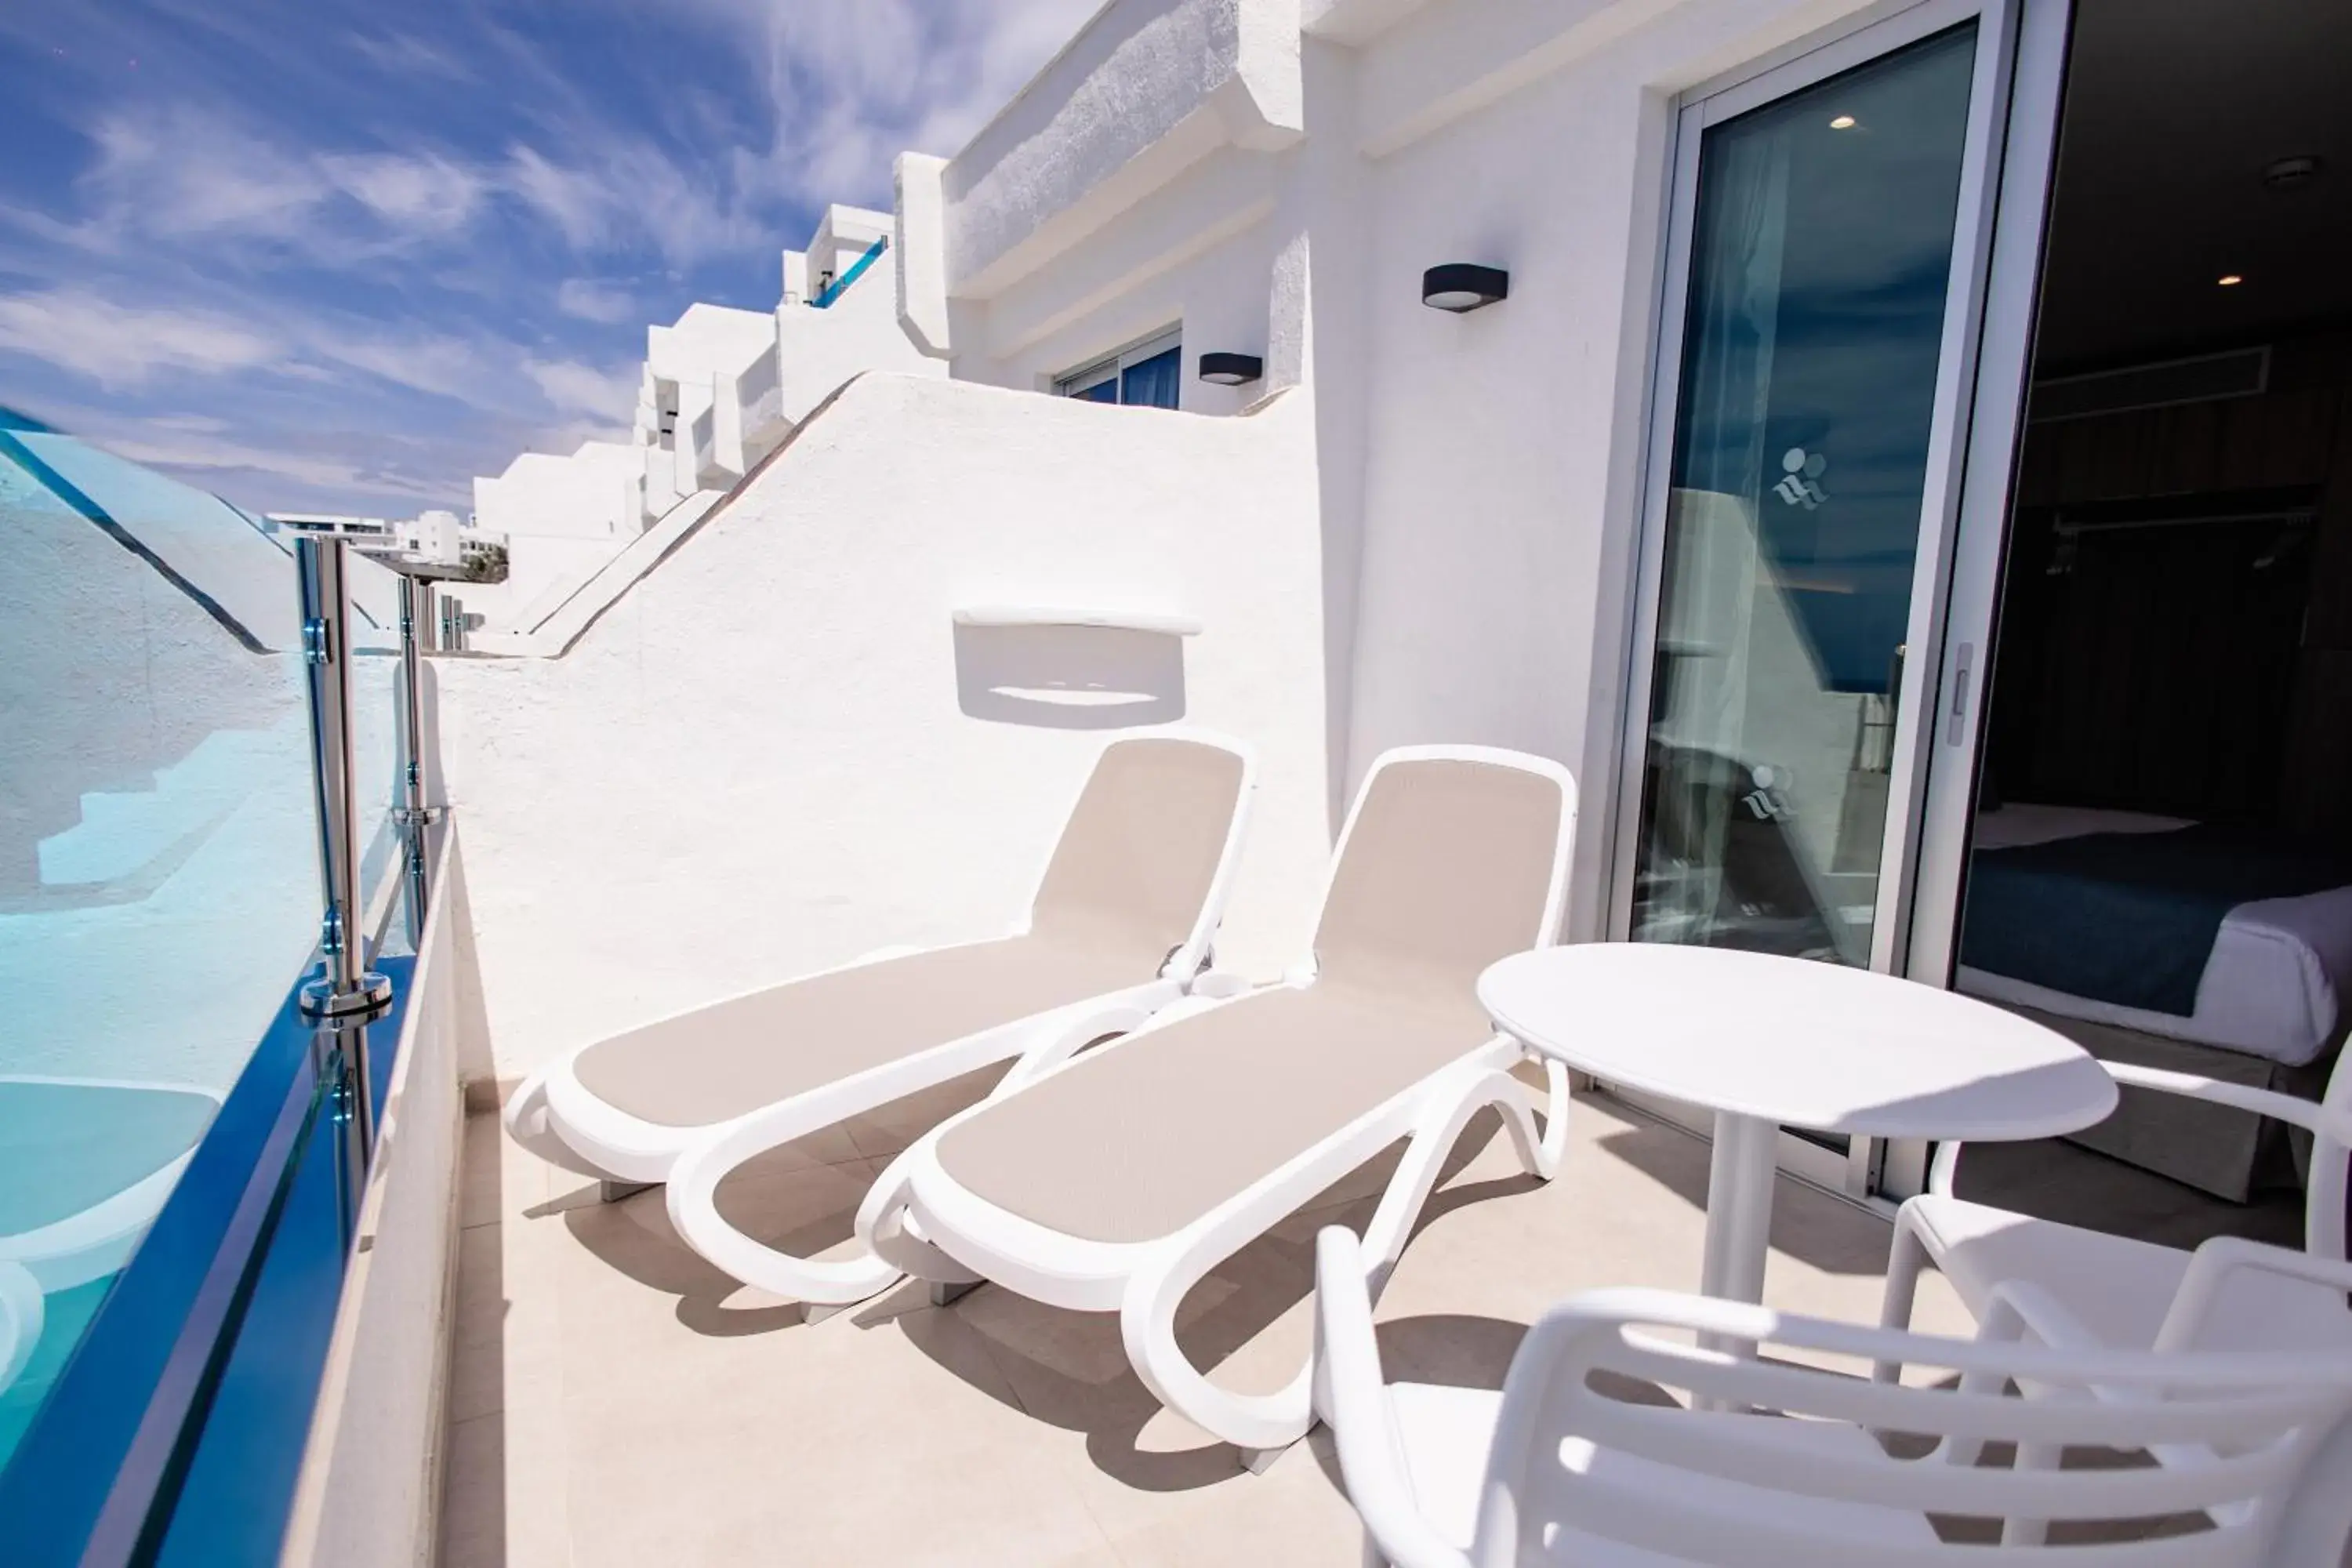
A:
(1820, 256)
(158, 889)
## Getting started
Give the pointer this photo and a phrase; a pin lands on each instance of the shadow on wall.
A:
(1069, 676)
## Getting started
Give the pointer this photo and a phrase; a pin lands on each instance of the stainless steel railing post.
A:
(345, 995)
(413, 817)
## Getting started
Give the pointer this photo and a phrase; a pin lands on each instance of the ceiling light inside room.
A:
(1842, 123)
(2228, 280)
(2290, 173)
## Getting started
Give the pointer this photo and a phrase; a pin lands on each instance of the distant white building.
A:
(431, 538)
(720, 389)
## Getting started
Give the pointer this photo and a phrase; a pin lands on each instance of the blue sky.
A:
(314, 254)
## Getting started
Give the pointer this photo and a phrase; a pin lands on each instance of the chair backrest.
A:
(2325, 1200)
(1148, 854)
(1452, 857)
(1583, 1454)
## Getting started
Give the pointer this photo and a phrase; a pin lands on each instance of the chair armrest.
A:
(2019, 1307)
(1353, 1396)
(2307, 1114)
(2212, 1264)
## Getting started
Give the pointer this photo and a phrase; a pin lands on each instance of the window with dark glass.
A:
(1145, 374)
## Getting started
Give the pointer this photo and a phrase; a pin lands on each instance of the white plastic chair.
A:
(2230, 1294)
(1561, 1467)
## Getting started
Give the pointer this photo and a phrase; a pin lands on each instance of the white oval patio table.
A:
(1766, 1042)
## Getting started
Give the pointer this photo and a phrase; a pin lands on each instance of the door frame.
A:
(2004, 129)
(1995, 450)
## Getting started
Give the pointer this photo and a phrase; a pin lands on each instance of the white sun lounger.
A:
(1122, 919)
(1118, 1180)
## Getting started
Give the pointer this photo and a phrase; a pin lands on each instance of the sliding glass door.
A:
(1820, 261)
(1816, 356)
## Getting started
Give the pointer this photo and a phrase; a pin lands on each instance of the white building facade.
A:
(1635, 382)
(1273, 181)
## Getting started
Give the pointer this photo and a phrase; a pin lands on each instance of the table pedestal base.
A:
(1740, 1182)
(1739, 1208)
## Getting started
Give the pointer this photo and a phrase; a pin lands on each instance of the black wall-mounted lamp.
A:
(1460, 286)
(1230, 370)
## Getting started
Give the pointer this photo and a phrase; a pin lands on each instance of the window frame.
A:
(1113, 367)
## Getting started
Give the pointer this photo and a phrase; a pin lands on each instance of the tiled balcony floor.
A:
(615, 1400)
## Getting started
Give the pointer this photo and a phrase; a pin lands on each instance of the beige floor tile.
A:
(888, 1130)
(481, 1305)
(481, 1173)
(649, 1410)
(473, 1496)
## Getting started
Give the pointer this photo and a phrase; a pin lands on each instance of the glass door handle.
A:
(1954, 732)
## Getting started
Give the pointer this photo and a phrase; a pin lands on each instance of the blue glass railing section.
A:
(179, 1158)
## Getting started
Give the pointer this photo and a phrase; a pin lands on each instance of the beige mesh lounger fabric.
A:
(1121, 921)
(1116, 1182)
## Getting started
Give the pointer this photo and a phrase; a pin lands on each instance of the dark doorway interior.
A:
(2167, 763)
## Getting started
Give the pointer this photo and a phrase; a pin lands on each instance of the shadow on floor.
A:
(471, 1524)
(800, 1198)
(2052, 1179)
(782, 1199)
(1070, 1369)
(1808, 1224)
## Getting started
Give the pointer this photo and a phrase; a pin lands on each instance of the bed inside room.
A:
(2161, 862)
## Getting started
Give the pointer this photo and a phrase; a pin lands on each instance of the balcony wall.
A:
(778, 751)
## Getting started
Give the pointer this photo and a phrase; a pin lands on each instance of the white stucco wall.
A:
(563, 516)
(817, 350)
(1504, 448)
(758, 762)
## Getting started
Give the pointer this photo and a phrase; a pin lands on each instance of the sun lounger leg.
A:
(882, 1225)
(1257, 1461)
(526, 1124)
(692, 1201)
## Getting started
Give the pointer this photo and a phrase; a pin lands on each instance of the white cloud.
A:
(853, 83)
(576, 388)
(428, 191)
(121, 346)
(623, 191)
(406, 54)
(198, 454)
(244, 278)
(593, 301)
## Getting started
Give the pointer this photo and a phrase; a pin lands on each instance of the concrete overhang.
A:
(1435, 66)
(1354, 22)
(1145, 90)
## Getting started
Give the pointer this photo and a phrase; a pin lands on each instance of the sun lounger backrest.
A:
(1452, 859)
(1143, 847)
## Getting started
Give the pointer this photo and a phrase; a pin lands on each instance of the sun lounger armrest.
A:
(2309, 1114)
(1354, 1397)
(1221, 984)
